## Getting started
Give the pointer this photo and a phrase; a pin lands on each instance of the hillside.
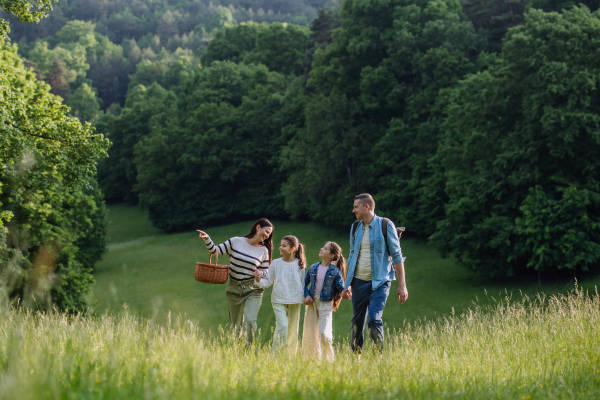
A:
(152, 273)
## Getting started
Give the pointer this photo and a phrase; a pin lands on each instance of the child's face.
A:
(285, 249)
(325, 253)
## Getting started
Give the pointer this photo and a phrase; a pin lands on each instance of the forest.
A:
(475, 124)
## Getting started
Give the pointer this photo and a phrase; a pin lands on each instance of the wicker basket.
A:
(211, 273)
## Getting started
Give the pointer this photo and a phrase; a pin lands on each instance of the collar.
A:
(372, 224)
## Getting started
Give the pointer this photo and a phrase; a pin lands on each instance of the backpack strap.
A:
(384, 224)
(354, 226)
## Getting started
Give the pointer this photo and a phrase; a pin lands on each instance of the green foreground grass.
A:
(151, 274)
(545, 348)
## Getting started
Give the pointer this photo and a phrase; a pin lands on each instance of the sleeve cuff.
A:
(398, 259)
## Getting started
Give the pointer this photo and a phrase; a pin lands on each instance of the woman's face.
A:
(263, 233)
(285, 248)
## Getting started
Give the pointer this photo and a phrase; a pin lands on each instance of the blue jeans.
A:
(366, 300)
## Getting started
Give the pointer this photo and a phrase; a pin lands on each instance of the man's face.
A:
(360, 210)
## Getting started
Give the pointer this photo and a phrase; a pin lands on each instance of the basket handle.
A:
(216, 258)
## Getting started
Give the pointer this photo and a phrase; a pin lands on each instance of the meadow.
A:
(542, 348)
(155, 333)
(151, 275)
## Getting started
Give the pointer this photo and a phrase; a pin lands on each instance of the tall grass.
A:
(525, 349)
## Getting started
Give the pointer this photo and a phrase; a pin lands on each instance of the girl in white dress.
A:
(287, 276)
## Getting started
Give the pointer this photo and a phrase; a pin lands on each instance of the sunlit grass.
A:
(153, 274)
(531, 348)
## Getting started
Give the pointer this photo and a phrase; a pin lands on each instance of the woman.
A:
(246, 255)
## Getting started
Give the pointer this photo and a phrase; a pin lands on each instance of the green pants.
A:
(243, 300)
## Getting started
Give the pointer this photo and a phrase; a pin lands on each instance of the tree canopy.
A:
(51, 215)
(521, 148)
(474, 125)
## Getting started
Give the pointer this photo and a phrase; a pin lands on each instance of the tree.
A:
(522, 149)
(493, 18)
(320, 161)
(391, 61)
(75, 31)
(144, 108)
(167, 26)
(281, 48)
(59, 77)
(21, 9)
(221, 144)
(148, 72)
(222, 19)
(560, 5)
(232, 44)
(321, 31)
(83, 104)
(46, 161)
(110, 75)
(42, 56)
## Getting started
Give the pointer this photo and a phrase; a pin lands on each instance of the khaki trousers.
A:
(287, 317)
(244, 300)
(317, 334)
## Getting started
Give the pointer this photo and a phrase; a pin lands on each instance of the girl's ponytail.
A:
(343, 266)
(340, 262)
(295, 243)
(300, 256)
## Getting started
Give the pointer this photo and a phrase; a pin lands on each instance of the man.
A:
(370, 273)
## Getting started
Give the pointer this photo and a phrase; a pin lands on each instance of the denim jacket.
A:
(382, 270)
(332, 282)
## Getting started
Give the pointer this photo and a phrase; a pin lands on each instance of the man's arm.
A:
(402, 291)
(398, 260)
(347, 293)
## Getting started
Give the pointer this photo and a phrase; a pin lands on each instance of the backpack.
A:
(384, 225)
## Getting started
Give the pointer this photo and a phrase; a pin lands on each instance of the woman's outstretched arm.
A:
(223, 248)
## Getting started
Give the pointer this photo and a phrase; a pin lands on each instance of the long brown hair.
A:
(299, 253)
(336, 251)
(268, 243)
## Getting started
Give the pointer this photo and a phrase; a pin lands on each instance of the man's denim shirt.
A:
(382, 270)
(332, 282)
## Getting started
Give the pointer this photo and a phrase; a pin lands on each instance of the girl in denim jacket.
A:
(323, 287)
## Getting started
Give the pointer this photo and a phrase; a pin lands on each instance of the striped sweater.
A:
(244, 259)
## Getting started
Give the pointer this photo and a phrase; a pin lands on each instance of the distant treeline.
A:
(474, 124)
(138, 19)
(492, 155)
(91, 49)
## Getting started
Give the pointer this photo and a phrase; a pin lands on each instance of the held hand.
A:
(347, 294)
(402, 293)
(308, 301)
(203, 235)
(257, 275)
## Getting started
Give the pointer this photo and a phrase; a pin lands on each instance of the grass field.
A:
(155, 333)
(547, 348)
(152, 274)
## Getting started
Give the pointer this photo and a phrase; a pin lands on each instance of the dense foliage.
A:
(52, 216)
(523, 150)
(170, 20)
(473, 124)
(218, 156)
